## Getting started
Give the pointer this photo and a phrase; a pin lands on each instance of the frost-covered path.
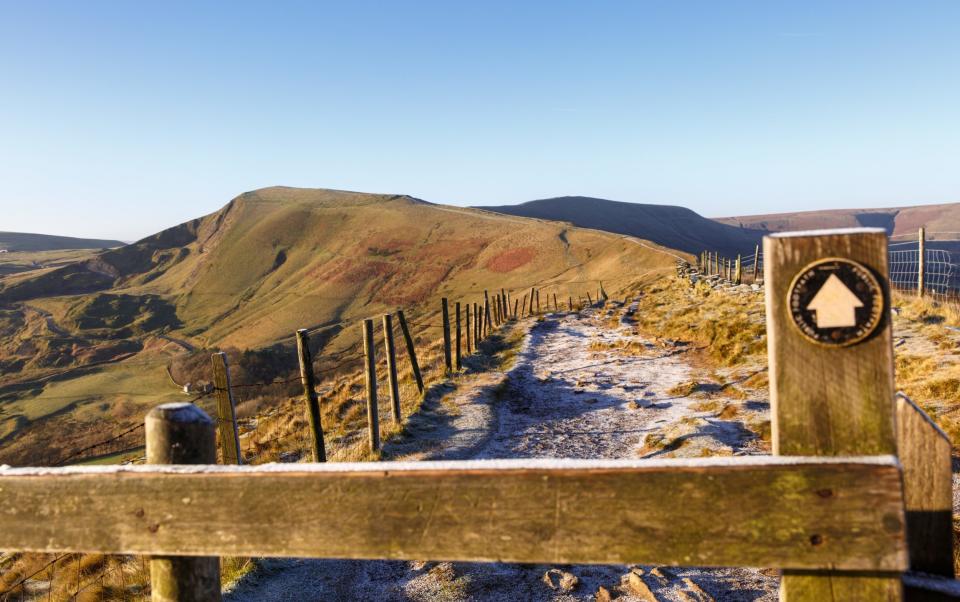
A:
(583, 386)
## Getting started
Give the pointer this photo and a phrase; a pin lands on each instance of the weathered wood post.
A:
(523, 306)
(505, 304)
(570, 302)
(411, 351)
(589, 299)
(530, 309)
(477, 322)
(756, 262)
(226, 411)
(738, 274)
(515, 303)
(467, 327)
(831, 372)
(181, 433)
(310, 395)
(486, 313)
(392, 365)
(925, 454)
(456, 308)
(445, 310)
(370, 370)
(921, 262)
(538, 301)
(555, 306)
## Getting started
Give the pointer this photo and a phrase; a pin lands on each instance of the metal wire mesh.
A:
(941, 278)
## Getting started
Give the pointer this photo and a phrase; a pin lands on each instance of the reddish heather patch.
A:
(511, 259)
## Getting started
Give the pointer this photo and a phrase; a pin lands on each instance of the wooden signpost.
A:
(830, 394)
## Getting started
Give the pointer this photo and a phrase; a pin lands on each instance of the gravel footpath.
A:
(570, 394)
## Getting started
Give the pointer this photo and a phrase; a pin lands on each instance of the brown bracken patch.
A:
(511, 259)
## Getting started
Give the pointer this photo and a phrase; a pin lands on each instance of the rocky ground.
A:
(583, 386)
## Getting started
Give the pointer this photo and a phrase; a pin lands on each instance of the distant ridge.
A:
(898, 221)
(23, 241)
(674, 227)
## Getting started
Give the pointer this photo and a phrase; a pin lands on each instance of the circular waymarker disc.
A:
(836, 302)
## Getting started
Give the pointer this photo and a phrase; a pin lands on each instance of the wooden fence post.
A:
(486, 314)
(370, 369)
(181, 433)
(226, 411)
(570, 302)
(456, 307)
(831, 389)
(467, 327)
(505, 303)
(925, 454)
(538, 302)
(392, 366)
(411, 351)
(310, 395)
(523, 307)
(756, 262)
(738, 274)
(477, 319)
(922, 262)
(530, 309)
(447, 361)
(589, 299)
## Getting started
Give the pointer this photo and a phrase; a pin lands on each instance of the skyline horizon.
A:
(129, 240)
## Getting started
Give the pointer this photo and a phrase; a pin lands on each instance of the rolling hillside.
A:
(20, 241)
(89, 343)
(673, 227)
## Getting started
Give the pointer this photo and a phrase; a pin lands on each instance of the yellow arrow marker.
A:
(835, 304)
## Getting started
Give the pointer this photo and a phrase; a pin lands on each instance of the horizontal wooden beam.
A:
(804, 513)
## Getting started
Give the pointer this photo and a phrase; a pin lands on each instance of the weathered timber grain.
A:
(515, 308)
(925, 454)
(226, 410)
(756, 262)
(828, 401)
(802, 513)
(370, 374)
(178, 433)
(310, 396)
(523, 311)
(391, 353)
(445, 311)
(411, 350)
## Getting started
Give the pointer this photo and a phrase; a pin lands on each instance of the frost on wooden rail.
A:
(804, 513)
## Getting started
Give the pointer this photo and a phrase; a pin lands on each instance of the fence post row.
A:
(370, 369)
(392, 366)
(181, 433)
(310, 395)
(226, 410)
(411, 351)
(850, 408)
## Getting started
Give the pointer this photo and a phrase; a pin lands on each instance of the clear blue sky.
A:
(118, 119)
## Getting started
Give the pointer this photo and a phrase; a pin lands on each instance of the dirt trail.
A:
(582, 387)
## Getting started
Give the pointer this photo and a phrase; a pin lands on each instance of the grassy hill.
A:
(89, 345)
(21, 241)
(673, 227)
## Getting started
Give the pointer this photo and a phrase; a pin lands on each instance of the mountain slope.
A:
(96, 338)
(22, 241)
(674, 227)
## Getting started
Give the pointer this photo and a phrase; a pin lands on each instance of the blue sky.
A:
(118, 119)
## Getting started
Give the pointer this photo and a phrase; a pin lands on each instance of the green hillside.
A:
(88, 345)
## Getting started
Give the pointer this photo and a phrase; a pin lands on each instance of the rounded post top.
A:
(182, 412)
